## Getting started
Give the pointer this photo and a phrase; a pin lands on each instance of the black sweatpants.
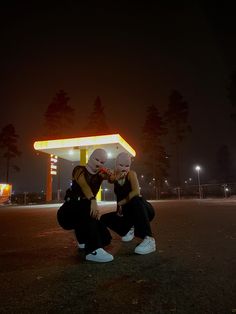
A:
(88, 230)
(137, 212)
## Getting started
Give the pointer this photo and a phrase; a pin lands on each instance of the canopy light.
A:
(70, 148)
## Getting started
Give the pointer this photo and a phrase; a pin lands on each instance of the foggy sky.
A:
(132, 56)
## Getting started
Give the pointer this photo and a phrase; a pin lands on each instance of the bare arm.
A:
(80, 179)
(134, 185)
(132, 176)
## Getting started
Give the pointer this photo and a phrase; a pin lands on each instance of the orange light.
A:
(5, 192)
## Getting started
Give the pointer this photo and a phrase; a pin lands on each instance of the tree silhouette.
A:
(176, 118)
(156, 158)
(97, 124)
(225, 165)
(59, 116)
(9, 149)
(59, 120)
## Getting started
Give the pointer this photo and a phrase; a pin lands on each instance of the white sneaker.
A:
(100, 256)
(81, 246)
(129, 236)
(148, 245)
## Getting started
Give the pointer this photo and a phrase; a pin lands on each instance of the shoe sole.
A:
(144, 253)
(124, 240)
(99, 261)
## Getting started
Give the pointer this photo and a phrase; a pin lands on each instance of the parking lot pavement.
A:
(192, 271)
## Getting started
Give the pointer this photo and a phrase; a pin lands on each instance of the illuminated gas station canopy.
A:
(70, 148)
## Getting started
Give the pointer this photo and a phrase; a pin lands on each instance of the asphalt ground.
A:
(192, 271)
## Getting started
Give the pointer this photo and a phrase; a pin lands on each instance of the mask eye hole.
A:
(127, 166)
(102, 162)
(121, 165)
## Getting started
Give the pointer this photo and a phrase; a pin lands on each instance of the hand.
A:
(121, 176)
(112, 177)
(94, 212)
(119, 210)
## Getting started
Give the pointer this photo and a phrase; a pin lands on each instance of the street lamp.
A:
(198, 168)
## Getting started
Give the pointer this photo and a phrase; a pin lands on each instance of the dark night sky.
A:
(131, 56)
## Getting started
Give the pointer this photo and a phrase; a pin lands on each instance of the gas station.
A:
(78, 150)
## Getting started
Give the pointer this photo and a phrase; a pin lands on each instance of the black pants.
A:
(137, 212)
(88, 230)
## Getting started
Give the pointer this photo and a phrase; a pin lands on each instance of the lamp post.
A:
(198, 168)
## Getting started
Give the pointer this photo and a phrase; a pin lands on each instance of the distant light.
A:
(109, 154)
(71, 152)
(198, 168)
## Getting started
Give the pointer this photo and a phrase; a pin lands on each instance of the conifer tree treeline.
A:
(152, 142)
(59, 116)
(224, 165)
(97, 124)
(173, 123)
(9, 148)
(176, 118)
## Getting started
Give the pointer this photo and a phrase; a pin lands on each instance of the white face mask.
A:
(123, 162)
(96, 160)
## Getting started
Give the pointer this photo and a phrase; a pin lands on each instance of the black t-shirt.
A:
(93, 180)
(122, 191)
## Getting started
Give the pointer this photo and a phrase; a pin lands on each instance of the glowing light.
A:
(105, 141)
(53, 166)
(5, 192)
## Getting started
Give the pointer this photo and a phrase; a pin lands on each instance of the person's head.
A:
(96, 160)
(123, 163)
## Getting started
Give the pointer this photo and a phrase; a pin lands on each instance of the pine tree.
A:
(59, 119)
(9, 149)
(156, 158)
(225, 165)
(59, 116)
(176, 118)
(97, 124)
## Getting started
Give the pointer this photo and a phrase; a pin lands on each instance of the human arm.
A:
(80, 179)
(135, 191)
(107, 174)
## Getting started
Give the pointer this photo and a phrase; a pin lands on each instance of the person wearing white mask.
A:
(134, 213)
(80, 210)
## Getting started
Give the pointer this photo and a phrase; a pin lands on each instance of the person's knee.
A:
(136, 200)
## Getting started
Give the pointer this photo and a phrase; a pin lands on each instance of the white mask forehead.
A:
(96, 160)
(123, 162)
(99, 154)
